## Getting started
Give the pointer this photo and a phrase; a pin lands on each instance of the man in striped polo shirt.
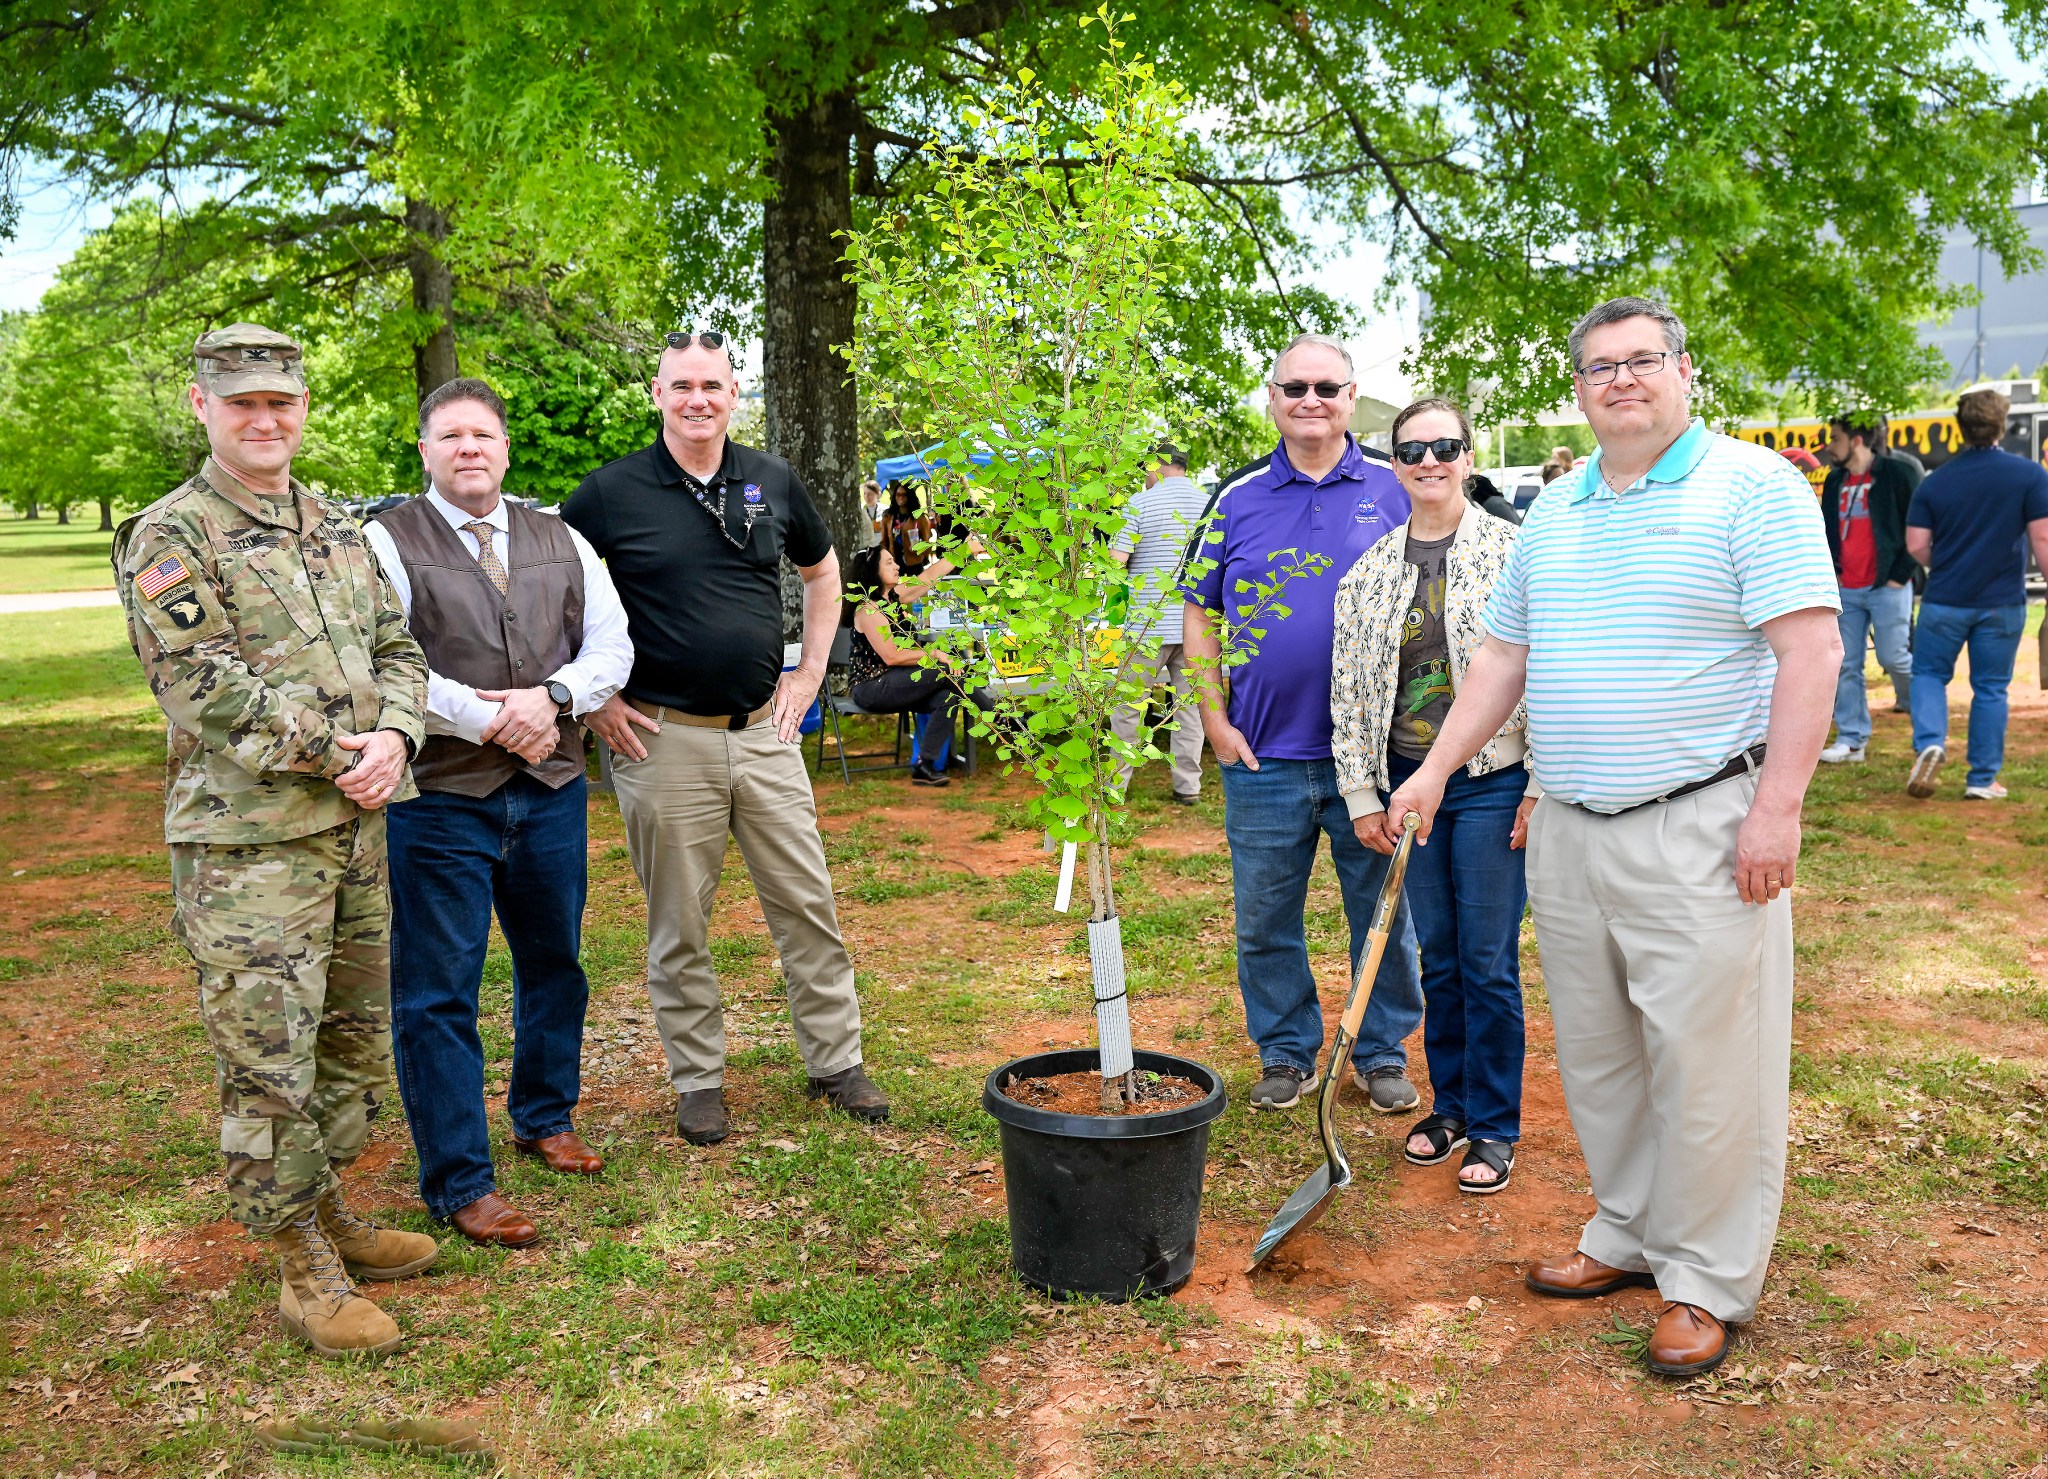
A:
(1669, 610)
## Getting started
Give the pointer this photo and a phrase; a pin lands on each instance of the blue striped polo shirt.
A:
(1641, 612)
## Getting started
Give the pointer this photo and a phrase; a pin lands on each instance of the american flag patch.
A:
(161, 576)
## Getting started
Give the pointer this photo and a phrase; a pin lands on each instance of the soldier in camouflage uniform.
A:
(295, 696)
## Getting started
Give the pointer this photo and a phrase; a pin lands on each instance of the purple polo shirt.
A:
(1280, 700)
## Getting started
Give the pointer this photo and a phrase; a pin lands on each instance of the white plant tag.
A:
(1066, 894)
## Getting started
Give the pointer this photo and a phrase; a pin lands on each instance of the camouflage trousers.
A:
(293, 944)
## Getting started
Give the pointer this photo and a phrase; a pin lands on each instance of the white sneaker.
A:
(1838, 752)
(1926, 766)
(1992, 792)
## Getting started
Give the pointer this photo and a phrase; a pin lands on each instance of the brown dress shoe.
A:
(1686, 1342)
(850, 1091)
(495, 1222)
(700, 1116)
(565, 1152)
(1582, 1277)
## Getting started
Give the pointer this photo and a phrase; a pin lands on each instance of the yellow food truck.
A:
(1930, 436)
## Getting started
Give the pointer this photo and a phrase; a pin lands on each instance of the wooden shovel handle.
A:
(1376, 937)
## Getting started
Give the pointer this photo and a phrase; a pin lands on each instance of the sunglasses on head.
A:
(1410, 454)
(1294, 390)
(709, 339)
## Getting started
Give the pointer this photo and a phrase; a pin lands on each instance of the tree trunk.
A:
(433, 297)
(809, 305)
(63, 513)
(106, 515)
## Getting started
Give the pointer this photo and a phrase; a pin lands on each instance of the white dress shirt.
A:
(597, 670)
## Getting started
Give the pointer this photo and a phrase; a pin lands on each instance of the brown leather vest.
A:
(474, 635)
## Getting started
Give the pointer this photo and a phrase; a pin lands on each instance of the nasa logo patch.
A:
(752, 493)
(1367, 507)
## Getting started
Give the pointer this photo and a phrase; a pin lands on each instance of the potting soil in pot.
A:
(1081, 1093)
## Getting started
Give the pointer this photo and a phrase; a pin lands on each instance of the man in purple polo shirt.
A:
(1318, 494)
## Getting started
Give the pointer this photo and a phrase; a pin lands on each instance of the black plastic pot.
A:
(1103, 1206)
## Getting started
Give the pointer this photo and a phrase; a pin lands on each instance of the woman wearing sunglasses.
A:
(1407, 626)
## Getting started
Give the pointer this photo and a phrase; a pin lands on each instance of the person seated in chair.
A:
(888, 671)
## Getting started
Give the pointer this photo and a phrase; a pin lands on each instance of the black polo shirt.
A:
(705, 617)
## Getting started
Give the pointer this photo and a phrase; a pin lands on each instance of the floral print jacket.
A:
(1372, 601)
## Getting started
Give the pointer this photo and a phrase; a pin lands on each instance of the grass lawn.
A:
(815, 1298)
(39, 555)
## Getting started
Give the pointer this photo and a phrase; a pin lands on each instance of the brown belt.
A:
(663, 715)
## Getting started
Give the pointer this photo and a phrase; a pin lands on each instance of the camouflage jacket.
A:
(266, 629)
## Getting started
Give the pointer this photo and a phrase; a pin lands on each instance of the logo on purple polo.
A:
(752, 493)
(1367, 507)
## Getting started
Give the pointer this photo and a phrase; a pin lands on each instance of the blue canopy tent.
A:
(915, 466)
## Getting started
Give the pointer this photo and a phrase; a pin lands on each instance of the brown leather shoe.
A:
(700, 1116)
(1686, 1342)
(565, 1152)
(1582, 1277)
(495, 1222)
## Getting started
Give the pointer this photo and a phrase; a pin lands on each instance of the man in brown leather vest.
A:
(523, 633)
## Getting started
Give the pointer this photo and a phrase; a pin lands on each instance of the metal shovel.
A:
(1320, 1190)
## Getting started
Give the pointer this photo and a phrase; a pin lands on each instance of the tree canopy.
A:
(1784, 173)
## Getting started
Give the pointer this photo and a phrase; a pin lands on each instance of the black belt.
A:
(1749, 760)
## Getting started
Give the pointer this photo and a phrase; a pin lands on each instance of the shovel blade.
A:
(1301, 1210)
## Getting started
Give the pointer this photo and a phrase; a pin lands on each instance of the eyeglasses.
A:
(1639, 365)
(1294, 390)
(709, 339)
(1410, 454)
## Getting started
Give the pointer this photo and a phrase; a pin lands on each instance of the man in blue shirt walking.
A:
(1968, 524)
(1318, 494)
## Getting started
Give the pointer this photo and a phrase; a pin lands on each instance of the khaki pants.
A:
(1672, 1001)
(695, 788)
(293, 944)
(1186, 746)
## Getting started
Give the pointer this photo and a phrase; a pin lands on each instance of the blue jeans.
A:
(524, 849)
(1887, 616)
(1992, 635)
(1467, 891)
(1271, 819)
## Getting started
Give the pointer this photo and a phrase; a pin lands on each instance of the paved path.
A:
(57, 601)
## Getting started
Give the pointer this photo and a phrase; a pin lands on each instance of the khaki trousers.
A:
(1186, 745)
(695, 788)
(1672, 1001)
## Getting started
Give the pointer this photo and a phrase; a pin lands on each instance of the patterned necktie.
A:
(488, 557)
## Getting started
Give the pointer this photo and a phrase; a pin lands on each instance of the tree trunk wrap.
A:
(807, 312)
(433, 296)
(1112, 1003)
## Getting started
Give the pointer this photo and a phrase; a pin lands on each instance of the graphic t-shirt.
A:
(1423, 694)
(1859, 546)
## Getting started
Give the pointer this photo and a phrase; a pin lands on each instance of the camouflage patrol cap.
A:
(245, 357)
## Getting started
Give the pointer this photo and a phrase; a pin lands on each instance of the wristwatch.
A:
(560, 693)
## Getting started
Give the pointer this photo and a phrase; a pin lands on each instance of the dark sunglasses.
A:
(1411, 453)
(709, 339)
(1294, 390)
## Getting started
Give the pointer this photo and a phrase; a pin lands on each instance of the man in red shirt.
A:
(1864, 505)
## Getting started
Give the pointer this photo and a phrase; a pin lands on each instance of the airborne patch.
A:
(160, 577)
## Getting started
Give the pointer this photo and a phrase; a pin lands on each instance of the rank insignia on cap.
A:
(161, 576)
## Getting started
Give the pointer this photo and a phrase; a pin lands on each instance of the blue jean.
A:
(1271, 819)
(1886, 615)
(1467, 890)
(523, 848)
(1992, 635)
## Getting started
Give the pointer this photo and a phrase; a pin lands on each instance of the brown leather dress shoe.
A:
(495, 1222)
(1582, 1277)
(565, 1152)
(1686, 1342)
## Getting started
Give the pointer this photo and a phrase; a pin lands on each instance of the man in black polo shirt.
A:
(703, 738)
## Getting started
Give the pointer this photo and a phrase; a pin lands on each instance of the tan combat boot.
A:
(369, 1251)
(318, 1303)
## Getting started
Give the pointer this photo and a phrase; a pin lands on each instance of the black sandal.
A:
(1497, 1156)
(1444, 1134)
